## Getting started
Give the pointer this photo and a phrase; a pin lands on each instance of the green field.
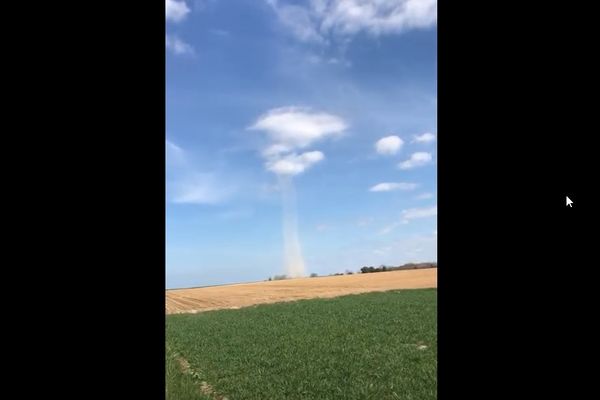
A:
(367, 346)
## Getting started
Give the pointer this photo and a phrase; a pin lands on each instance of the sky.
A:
(337, 98)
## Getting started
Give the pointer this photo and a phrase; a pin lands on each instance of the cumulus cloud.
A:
(178, 46)
(290, 129)
(416, 160)
(176, 11)
(275, 150)
(389, 145)
(294, 164)
(298, 127)
(390, 186)
(321, 19)
(426, 137)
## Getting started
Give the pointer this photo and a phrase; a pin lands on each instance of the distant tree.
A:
(314, 275)
(270, 279)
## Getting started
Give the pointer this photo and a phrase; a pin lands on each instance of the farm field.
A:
(247, 294)
(380, 345)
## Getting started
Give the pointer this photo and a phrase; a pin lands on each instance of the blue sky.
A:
(338, 96)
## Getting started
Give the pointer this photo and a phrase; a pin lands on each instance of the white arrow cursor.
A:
(569, 202)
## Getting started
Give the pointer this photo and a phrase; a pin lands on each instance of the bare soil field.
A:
(247, 294)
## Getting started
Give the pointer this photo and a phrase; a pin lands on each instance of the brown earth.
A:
(247, 294)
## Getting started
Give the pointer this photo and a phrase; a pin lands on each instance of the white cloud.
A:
(388, 228)
(416, 160)
(408, 215)
(173, 148)
(297, 127)
(389, 145)
(293, 128)
(175, 154)
(178, 46)
(220, 32)
(186, 184)
(293, 164)
(320, 19)
(275, 150)
(424, 196)
(414, 213)
(198, 188)
(426, 137)
(176, 11)
(389, 186)
(298, 20)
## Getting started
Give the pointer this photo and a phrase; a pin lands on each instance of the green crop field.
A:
(368, 346)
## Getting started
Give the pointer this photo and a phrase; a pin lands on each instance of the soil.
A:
(248, 294)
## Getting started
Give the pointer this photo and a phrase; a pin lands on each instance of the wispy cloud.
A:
(424, 196)
(178, 46)
(390, 186)
(174, 154)
(408, 215)
(418, 159)
(323, 20)
(389, 145)
(176, 11)
(415, 213)
(220, 32)
(187, 184)
(199, 188)
(298, 19)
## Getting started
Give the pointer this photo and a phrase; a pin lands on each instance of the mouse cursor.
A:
(569, 202)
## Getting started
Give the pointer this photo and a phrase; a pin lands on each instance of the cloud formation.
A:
(322, 19)
(291, 129)
(414, 213)
(408, 215)
(390, 186)
(175, 11)
(198, 188)
(389, 145)
(178, 46)
(186, 184)
(294, 164)
(424, 196)
(426, 137)
(416, 160)
(297, 127)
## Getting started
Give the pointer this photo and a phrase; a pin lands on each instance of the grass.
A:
(367, 346)
(181, 385)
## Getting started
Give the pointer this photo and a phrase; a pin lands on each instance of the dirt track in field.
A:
(247, 294)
